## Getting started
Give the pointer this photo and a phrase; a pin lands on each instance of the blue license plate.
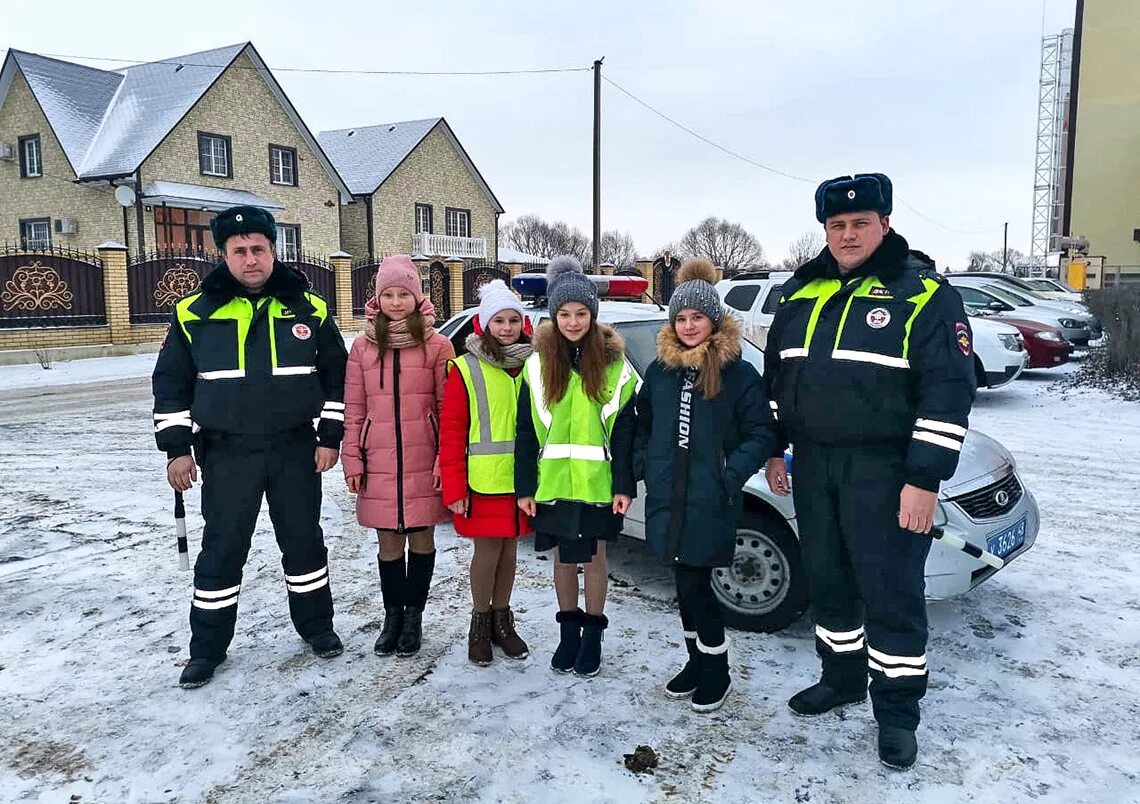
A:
(1004, 543)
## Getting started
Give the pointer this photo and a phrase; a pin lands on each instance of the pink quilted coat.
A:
(391, 432)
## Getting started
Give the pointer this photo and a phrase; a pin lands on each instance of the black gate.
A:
(439, 288)
(476, 275)
(320, 275)
(363, 283)
(51, 288)
(664, 273)
(155, 281)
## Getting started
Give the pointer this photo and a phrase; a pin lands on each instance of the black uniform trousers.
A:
(237, 471)
(866, 575)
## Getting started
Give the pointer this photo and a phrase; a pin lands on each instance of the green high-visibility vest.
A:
(574, 434)
(492, 402)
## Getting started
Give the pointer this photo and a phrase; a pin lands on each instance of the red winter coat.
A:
(397, 457)
(487, 515)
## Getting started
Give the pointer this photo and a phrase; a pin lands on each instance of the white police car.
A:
(764, 589)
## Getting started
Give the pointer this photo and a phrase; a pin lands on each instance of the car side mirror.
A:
(1001, 307)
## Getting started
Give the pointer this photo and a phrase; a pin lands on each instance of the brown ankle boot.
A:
(503, 634)
(479, 639)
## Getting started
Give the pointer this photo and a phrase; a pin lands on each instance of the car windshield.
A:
(641, 344)
(1008, 297)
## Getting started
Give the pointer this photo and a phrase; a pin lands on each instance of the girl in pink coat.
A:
(392, 399)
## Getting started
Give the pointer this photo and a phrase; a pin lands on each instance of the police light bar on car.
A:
(533, 286)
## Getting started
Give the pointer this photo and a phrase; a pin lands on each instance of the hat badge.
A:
(238, 217)
(850, 196)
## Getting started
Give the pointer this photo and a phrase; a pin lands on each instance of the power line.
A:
(325, 70)
(769, 168)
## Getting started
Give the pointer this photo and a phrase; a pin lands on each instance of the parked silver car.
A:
(1077, 326)
(985, 503)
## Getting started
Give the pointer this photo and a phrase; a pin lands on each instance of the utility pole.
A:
(1005, 247)
(598, 162)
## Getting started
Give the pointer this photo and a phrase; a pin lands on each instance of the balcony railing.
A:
(447, 246)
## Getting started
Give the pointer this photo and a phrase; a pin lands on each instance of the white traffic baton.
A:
(180, 529)
(959, 543)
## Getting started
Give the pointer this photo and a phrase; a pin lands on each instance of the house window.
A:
(288, 242)
(31, 158)
(423, 218)
(458, 222)
(214, 155)
(176, 228)
(282, 165)
(35, 233)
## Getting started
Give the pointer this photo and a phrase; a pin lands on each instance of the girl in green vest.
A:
(477, 459)
(573, 454)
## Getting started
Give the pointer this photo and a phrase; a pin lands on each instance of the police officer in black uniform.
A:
(869, 364)
(252, 358)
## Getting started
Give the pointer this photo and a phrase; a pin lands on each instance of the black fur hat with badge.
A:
(242, 220)
(863, 192)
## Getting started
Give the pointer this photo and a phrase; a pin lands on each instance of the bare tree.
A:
(804, 248)
(992, 260)
(674, 249)
(727, 245)
(617, 248)
(530, 234)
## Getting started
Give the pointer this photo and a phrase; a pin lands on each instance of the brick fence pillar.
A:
(114, 258)
(455, 269)
(341, 263)
(645, 268)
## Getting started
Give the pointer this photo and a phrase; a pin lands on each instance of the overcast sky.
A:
(940, 94)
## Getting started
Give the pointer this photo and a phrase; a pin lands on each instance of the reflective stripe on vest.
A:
(574, 434)
(492, 401)
(822, 290)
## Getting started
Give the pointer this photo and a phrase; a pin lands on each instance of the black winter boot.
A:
(820, 698)
(684, 683)
(412, 633)
(570, 638)
(898, 747)
(393, 585)
(589, 660)
(714, 681)
(326, 644)
(197, 673)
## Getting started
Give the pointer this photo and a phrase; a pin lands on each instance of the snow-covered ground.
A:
(1034, 675)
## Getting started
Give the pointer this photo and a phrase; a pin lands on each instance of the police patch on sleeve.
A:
(962, 335)
(301, 332)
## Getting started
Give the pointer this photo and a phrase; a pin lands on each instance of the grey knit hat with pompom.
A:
(567, 282)
(697, 291)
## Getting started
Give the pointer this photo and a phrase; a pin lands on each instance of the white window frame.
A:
(424, 215)
(28, 238)
(288, 251)
(278, 168)
(458, 222)
(213, 157)
(31, 157)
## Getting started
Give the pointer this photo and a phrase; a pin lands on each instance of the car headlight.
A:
(1047, 336)
(1010, 342)
(1072, 323)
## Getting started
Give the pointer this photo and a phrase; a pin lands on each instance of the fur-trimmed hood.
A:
(721, 348)
(708, 358)
(546, 332)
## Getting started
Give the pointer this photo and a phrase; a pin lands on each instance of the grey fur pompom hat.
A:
(697, 291)
(567, 282)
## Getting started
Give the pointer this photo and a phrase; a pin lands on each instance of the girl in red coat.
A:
(476, 456)
(392, 396)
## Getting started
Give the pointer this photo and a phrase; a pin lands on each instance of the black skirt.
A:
(575, 528)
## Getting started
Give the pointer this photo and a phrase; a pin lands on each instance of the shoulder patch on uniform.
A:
(962, 335)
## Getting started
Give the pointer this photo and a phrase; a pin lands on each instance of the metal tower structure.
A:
(1052, 141)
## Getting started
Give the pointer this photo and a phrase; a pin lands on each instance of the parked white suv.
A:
(999, 350)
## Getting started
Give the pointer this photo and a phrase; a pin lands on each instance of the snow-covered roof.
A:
(368, 155)
(110, 122)
(202, 197)
(510, 255)
(73, 98)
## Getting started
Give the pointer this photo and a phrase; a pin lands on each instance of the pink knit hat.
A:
(399, 271)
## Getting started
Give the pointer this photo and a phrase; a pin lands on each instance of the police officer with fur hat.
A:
(870, 367)
(251, 359)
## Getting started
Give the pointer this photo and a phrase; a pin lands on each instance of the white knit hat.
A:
(494, 297)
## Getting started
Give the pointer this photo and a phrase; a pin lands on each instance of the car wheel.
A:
(980, 373)
(765, 588)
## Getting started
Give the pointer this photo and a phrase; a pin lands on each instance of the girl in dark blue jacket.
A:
(704, 427)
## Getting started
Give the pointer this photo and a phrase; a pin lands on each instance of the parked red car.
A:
(1046, 346)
